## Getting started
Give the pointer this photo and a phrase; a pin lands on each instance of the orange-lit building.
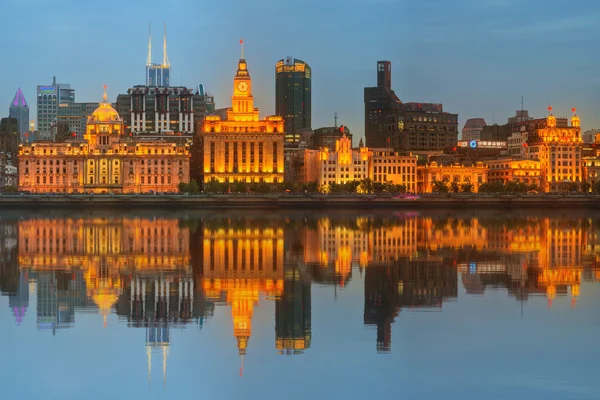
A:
(427, 175)
(559, 150)
(239, 265)
(242, 148)
(514, 169)
(105, 161)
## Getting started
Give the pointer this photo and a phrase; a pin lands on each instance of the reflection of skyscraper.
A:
(405, 284)
(293, 313)
(19, 302)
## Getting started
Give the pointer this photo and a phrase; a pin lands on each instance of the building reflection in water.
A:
(160, 273)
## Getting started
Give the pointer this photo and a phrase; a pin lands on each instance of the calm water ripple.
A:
(300, 304)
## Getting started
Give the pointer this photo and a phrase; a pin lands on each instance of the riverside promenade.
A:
(206, 201)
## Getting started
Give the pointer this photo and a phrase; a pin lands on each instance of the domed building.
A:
(106, 161)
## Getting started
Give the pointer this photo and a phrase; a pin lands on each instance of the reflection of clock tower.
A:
(242, 100)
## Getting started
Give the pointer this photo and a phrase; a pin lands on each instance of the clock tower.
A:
(242, 100)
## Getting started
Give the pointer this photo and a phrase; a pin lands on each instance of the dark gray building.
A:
(19, 109)
(293, 97)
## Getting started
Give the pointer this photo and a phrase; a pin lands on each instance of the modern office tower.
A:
(158, 75)
(243, 147)
(20, 111)
(293, 313)
(382, 109)
(293, 97)
(171, 110)
(472, 129)
(72, 119)
(49, 97)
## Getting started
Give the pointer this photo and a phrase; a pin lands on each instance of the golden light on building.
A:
(242, 148)
(427, 175)
(558, 148)
(105, 161)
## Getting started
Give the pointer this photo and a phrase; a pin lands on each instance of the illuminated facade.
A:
(514, 169)
(242, 148)
(427, 175)
(386, 165)
(239, 264)
(559, 150)
(106, 161)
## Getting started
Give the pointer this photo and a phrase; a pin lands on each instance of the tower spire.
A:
(165, 58)
(104, 96)
(149, 61)
(242, 44)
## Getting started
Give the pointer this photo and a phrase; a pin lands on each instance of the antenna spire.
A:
(149, 61)
(242, 44)
(104, 98)
(165, 58)
(522, 103)
(335, 118)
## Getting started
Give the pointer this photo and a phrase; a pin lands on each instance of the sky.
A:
(477, 57)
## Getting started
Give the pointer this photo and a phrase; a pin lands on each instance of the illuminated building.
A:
(158, 75)
(293, 313)
(514, 169)
(428, 174)
(19, 109)
(293, 97)
(382, 109)
(242, 148)
(343, 165)
(49, 97)
(591, 170)
(520, 132)
(559, 150)
(241, 262)
(472, 129)
(106, 161)
(386, 165)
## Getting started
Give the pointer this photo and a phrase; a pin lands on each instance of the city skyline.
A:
(446, 64)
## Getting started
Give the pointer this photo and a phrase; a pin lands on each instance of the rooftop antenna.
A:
(522, 108)
(335, 118)
(149, 61)
(165, 58)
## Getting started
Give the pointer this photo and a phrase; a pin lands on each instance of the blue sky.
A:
(478, 57)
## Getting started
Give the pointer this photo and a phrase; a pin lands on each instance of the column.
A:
(180, 116)
(143, 127)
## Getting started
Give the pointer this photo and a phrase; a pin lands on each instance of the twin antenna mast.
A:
(165, 63)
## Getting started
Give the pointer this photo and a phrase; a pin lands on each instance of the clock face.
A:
(242, 86)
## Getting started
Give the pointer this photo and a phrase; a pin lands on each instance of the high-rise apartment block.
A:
(49, 97)
(293, 97)
(19, 109)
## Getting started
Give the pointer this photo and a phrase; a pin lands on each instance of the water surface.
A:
(296, 305)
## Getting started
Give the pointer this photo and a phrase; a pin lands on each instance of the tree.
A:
(455, 187)
(466, 187)
(597, 187)
(366, 186)
(193, 187)
(440, 187)
(182, 187)
(378, 188)
(352, 186)
(312, 187)
(586, 187)
(239, 187)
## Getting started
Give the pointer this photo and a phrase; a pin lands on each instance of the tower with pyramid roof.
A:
(20, 110)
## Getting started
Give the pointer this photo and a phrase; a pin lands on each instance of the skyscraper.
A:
(48, 99)
(293, 97)
(382, 109)
(158, 75)
(20, 111)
